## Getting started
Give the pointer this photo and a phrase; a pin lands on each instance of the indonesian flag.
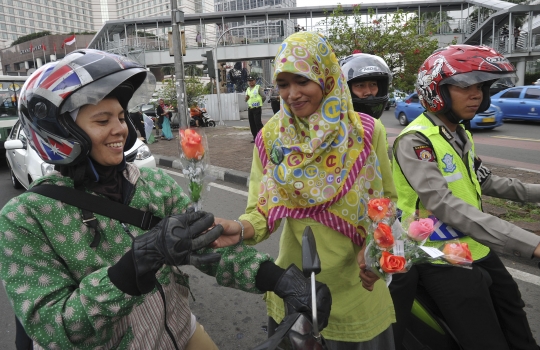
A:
(69, 41)
(44, 47)
(31, 47)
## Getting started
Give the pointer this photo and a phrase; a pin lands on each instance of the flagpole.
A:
(44, 56)
(33, 58)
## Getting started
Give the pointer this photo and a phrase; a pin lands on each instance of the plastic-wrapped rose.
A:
(392, 263)
(420, 229)
(383, 236)
(457, 253)
(192, 145)
(378, 208)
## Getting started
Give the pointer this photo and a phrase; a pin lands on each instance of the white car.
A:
(26, 166)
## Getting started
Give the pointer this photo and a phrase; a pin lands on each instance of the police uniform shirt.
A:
(426, 179)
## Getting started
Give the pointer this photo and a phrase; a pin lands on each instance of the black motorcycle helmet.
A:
(361, 67)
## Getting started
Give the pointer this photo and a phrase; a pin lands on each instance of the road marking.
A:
(515, 138)
(213, 184)
(524, 276)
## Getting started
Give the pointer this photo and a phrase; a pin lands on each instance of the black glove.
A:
(173, 241)
(295, 290)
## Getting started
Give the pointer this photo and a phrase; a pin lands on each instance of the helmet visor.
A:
(143, 94)
(467, 79)
(96, 91)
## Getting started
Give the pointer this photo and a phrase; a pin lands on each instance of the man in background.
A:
(254, 97)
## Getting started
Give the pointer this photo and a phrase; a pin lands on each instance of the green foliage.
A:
(394, 37)
(82, 33)
(29, 37)
(531, 77)
(195, 89)
(145, 34)
(515, 211)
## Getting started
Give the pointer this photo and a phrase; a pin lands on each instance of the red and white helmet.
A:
(55, 90)
(461, 65)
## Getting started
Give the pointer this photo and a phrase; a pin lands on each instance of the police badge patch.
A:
(448, 161)
(424, 153)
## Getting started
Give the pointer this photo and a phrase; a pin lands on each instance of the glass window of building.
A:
(10, 2)
(11, 10)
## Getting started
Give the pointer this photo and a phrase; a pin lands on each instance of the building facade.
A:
(24, 58)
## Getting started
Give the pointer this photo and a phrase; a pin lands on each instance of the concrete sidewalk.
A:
(230, 152)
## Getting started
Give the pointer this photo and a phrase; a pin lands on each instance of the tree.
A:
(29, 37)
(394, 37)
(195, 89)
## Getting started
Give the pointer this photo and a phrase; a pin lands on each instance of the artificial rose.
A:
(192, 144)
(420, 229)
(378, 208)
(383, 235)
(457, 253)
(391, 263)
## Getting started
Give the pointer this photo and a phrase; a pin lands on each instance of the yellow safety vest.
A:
(461, 178)
(255, 100)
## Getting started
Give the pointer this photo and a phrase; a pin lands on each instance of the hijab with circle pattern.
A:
(311, 166)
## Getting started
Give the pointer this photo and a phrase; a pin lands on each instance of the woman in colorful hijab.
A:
(317, 163)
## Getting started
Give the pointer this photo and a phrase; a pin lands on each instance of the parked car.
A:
(409, 109)
(520, 102)
(149, 110)
(393, 98)
(536, 82)
(26, 166)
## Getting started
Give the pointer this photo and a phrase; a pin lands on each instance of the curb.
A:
(228, 175)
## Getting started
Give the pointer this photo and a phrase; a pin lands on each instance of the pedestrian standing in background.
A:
(254, 97)
(198, 39)
(137, 120)
(161, 112)
(274, 99)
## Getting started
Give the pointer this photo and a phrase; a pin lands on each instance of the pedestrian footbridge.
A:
(256, 34)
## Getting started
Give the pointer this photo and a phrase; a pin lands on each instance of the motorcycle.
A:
(204, 120)
(300, 331)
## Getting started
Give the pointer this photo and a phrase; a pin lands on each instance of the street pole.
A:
(217, 85)
(177, 17)
(216, 63)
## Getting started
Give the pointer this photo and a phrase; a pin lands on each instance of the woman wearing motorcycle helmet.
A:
(77, 279)
(369, 78)
(437, 173)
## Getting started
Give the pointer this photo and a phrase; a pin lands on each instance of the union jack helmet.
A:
(460, 65)
(55, 90)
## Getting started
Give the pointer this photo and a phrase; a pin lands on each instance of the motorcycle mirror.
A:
(310, 259)
(311, 265)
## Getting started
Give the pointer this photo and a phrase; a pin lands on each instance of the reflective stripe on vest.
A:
(461, 179)
(255, 100)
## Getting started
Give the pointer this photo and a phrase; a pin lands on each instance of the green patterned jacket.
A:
(59, 286)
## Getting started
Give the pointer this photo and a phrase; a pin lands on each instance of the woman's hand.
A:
(231, 233)
(367, 277)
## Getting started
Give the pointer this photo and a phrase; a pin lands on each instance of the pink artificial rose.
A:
(420, 229)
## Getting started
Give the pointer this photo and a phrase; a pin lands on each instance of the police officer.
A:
(254, 97)
(437, 172)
